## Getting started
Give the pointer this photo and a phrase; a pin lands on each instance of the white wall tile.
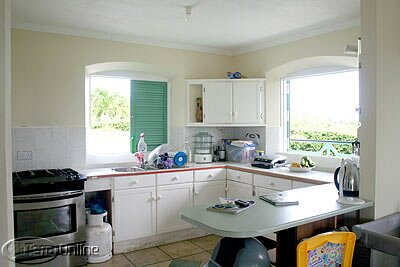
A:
(77, 158)
(77, 138)
(43, 138)
(42, 159)
(23, 165)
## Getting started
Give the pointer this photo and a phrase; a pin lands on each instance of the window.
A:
(321, 113)
(121, 109)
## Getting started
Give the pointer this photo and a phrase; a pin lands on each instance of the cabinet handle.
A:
(210, 176)
(226, 189)
(159, 197)
(153, 198)
(271, 183)
(175, 178)
(134, 182)
(196, 193)
(238, 177)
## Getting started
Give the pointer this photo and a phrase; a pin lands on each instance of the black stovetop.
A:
(47, 180)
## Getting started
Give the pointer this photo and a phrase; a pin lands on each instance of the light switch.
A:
(24, 155)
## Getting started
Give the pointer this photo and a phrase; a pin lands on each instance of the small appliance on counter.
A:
(269, 161)
(203, 150)
(347, 181)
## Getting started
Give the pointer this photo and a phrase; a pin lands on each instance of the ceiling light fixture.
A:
(188, 17)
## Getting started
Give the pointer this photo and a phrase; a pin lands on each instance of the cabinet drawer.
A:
(209, 175)
(135, 181)
(174, 177)
(239, 176)
(272, 182)
(92, 185)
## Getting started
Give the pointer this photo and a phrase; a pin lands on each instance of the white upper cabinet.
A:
(225, 102)
(247, 98)
(217, 102)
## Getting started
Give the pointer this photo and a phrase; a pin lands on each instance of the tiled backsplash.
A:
(49, 147)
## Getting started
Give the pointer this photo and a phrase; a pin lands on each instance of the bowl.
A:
(300, 169)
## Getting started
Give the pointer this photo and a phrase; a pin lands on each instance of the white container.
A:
(99, 233)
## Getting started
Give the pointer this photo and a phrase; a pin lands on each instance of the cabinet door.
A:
(297, 184)
(239, 190)
(208, 192)
(259, 191)
(134, 213)
(171, 199)
(247, 99)
(217, 102)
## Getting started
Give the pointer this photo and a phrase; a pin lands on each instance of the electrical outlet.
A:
(24, 155)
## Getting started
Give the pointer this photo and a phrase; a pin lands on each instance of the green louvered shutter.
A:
(148, 113)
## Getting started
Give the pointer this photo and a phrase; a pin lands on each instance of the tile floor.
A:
(197, 249)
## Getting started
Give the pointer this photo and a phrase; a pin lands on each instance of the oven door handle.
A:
(47, 196)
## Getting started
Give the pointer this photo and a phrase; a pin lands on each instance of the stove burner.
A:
(47, 180)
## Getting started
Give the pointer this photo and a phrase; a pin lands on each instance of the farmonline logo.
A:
(33, 250)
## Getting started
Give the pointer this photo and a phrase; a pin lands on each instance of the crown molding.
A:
(118, 38)
(243, 50)
(295, 37)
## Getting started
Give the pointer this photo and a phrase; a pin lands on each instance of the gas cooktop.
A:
(47, 180)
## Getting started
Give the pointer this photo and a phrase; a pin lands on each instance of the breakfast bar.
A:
(316, 212)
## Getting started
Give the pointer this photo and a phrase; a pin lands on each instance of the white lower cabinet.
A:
(171, 199)
(134, 213)
(297, 184)
(208, 192)
(259, 191)
(239, 190)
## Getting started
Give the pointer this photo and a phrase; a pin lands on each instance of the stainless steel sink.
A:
(127, 169)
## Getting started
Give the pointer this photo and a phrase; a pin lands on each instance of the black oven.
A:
(49, 218)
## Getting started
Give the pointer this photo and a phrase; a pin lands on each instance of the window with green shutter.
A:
(148, 113)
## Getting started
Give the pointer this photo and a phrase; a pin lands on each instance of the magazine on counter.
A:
(279, 199)
(231, 205)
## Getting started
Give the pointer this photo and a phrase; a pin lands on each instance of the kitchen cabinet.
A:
(274, 183)
(227, 102)
(210, 175)
(208, 192)
(217, 102)
(171, 199)
(239, 190)
(258, 191)
(134, 213)
(297, 184)
(239, 176)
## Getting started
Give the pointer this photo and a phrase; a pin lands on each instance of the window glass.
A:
(322, 113)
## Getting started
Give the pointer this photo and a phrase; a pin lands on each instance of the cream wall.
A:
(6, 218)
(48, 74)
(381, 128)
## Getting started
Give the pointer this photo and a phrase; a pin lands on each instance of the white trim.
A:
(321, 70)
(273, 41)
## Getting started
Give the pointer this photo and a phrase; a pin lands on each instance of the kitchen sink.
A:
(127, 169)
(134, 169)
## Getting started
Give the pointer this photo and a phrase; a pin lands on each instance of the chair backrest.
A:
(328, 249)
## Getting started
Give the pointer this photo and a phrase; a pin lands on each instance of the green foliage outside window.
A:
(109, 110)
(316, 147)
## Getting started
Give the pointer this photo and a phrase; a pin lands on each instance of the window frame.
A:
(285, 106)
(112, 159)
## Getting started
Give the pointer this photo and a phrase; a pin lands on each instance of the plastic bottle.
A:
(188, 151)
(141, 146)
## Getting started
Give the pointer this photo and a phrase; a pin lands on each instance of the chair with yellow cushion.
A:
(333, 249)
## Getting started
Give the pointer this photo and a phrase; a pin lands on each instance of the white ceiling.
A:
(219, 26)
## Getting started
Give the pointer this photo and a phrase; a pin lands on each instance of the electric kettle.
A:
(349, 175)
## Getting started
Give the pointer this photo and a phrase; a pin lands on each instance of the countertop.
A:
(315, 203)
(314, 177)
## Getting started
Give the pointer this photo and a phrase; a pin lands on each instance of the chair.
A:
(328, 249)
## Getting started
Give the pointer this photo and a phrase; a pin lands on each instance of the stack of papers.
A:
(279, 199)
(227, 205)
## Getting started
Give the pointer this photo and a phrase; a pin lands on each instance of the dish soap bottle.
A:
(141, 146)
